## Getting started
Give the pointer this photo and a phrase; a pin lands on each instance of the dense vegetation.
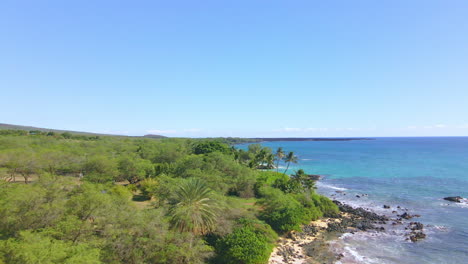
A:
(68, 198)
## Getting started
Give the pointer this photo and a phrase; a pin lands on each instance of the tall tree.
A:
(290, 157)
(194, 209)
(279, 156)
(270, 161)
(303, 180)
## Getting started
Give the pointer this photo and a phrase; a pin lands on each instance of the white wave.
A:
(463, 203)
(359, 247)
(351, 256)
(442, 228)
(431, 229)
(323, 185)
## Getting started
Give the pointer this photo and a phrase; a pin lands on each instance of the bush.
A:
(149, 187)
(249, 243)
(281, 211)
(325, 205)
(206, 147)
(36, 248)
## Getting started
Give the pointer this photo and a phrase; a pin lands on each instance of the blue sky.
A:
(237, 68)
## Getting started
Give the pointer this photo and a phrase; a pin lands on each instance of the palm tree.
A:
(270, 161)
(261, 156)
(290, 158)
(194, 210)
(303, 180)
(279, 156)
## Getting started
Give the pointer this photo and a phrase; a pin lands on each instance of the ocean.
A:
(413, 173)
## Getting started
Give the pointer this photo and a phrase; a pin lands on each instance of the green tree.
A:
(210, 146)
(134, 169)
(279, 156)
(249, 243)
(32, 248)
(194, 209)
(303, 180)
(281, 211)
(20, 161)
(290, 157)
(67, 135)
(100, 169)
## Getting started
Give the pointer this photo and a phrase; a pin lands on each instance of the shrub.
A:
(325, 205)
(281, 211)
(249, 243)
(206, 147)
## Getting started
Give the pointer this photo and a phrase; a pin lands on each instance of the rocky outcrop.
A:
(416, 233)
(314, 177)
(357, 218)
(360, 212)
(456, 199)
(407, 216)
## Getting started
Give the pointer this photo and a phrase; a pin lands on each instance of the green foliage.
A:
(281, 211)
(77, 207)
(194, 209)
(289, 158)
(100, 169)
(149, 187)
(26, 207)
(270, 179)
(210, 146)
(66, 135)
(36, 248)
(134, 169)
(325, 205)
(303, 180)
(8, 132)
(251, 242)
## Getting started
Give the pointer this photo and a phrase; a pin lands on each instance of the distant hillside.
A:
(153, 136)
(31, 128)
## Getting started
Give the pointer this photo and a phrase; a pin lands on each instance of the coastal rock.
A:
(314, 177)
(405, 215)
(337, 227)
(365, 225)
(360, 212)
(319, 251)
(416, 226)
(416, 233)
(456, 199)
(386, 206)
(287, 253)
(414, 237)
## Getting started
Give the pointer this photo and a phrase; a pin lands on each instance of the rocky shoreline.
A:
(311, 245)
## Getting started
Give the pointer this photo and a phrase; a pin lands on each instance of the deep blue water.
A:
(414, 173)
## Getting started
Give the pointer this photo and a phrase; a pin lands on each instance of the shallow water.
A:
(414, 173)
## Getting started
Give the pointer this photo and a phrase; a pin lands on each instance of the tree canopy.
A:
(67, 198)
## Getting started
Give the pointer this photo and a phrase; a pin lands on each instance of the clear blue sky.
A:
(236, 68)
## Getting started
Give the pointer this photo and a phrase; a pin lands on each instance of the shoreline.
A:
(297, 247)
(312, 244)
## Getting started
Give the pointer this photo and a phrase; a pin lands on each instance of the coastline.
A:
(317, 242)
(298, 247)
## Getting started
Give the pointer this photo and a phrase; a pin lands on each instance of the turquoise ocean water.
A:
(413, 173)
